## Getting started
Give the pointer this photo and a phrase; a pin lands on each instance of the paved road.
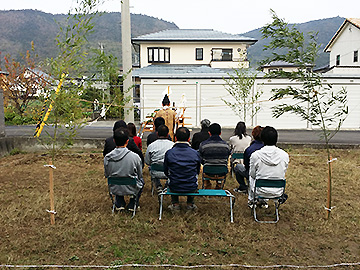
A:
(103, 129)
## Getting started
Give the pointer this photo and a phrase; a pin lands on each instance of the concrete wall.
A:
(27, 144)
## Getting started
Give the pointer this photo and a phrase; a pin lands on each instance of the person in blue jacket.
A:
(182, 167)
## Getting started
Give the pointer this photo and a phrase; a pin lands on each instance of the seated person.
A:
(153, 136)
(202, 135)
(121, 162)
(132, 133)
(242, 170)
(269, 162)
(155, 154)
(214, 151)
(182, 166)
(239, 142)
(110, 143)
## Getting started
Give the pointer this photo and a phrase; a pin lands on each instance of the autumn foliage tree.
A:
(24, 80)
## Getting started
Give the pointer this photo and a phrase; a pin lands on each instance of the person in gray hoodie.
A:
(121, 162)
(269, 162)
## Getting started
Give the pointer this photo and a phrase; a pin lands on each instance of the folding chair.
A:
(159, 168)
(216, 173)
(122, 181)
(268, 183)
(235, 156)
(201, 192)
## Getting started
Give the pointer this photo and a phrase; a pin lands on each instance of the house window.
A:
(158, 55)
(199, 54)
(338, 60)
(222, 54)
(356, 56)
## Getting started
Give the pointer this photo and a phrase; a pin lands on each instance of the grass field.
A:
(87, 233)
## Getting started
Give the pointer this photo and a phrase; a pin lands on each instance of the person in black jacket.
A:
(202, 135)
(110, 144)
(153, 136)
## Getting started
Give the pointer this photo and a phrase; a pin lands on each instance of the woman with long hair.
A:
(132, 133)
(240, 141)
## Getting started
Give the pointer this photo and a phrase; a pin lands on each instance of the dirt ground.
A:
(86, 232)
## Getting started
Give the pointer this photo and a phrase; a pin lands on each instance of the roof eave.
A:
(134, 40)
(338, 32)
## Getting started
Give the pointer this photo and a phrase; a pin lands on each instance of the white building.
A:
(195, 63)
(344, 48)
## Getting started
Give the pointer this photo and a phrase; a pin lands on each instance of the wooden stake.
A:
(51, 189)
(328, 210)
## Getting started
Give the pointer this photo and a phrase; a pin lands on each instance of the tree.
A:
(24, 81)
(240, 86)
(72, 41)
(70, 63)
(112, 93)
(315, 101)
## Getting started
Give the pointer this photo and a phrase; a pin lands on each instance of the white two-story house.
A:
(193, 47)
(189, 63)
(344, 48)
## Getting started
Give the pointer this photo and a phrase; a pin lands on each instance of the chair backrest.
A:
(122, 181)
(237, 155)
(157, 167)
(271, 183)
(215, 169)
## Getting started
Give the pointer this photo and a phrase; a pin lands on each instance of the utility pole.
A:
(102, 74)
(127, 60)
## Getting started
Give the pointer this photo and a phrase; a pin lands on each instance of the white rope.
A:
(51, 166)
(181, 266)
(329, 209)
(334, 159)
(51, 211)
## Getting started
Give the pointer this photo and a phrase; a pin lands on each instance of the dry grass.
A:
(87, 233)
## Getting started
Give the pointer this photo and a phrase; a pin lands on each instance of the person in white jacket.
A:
(269, 162)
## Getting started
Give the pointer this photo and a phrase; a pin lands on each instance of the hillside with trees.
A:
(19, 27)
(325, 28)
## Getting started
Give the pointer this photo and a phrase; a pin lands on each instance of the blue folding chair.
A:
(215, 173)
(268, 183)
(159, 168)
(235, 156)
(122, 181)
(200, 192)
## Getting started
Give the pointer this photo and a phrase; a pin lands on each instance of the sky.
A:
(230, 16)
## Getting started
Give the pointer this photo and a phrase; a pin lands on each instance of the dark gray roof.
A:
(182, 71)
(193, 35)
(279, 64)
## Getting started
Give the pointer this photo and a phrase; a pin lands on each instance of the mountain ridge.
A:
(19, 27)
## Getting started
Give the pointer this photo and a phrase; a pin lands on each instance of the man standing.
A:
(155, 154)
(121, 162)
(182, 166)
(269, 162)
(168, 114)
(214, 151)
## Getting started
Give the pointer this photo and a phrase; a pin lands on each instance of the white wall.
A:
(204, 100)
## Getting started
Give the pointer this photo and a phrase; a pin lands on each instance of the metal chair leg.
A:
(161, 205)
(231, 211)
